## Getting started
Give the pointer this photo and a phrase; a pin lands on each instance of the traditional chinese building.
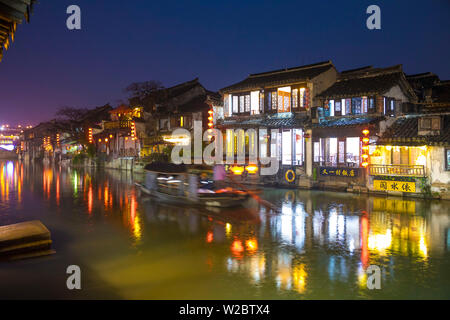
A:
(43, 141)
(275, 106)
(353, 113)
(413, 155)
(58, 139)
(178, 107)
(121, 135)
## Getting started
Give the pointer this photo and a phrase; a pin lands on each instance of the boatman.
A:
(219, 175)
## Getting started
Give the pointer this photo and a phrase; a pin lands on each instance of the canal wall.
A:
(5, 154)
(122, 163)
(356, 185)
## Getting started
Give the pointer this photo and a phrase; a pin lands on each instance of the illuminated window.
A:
(356, 105)
(364, 105)
(274, 144)
(286, 147)
(274, 100)
(263, 143)
(235, 104)
(247, 103)
(337, 107)
(251, 143)
(302, 100)
(353, 149)
(228, 104)
(316, 151)
(261, 102)
(254, 102)
(343, 107)
(298, 144)
(239, 142)
(331, 108)
(294, 98)
(389, 106)
(229, 143)
(341, 151)
(348, 106)
(284, 99)
(332, 151)
(242, 104)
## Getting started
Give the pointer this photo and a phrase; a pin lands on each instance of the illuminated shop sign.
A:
(339, 172)
(401, 186)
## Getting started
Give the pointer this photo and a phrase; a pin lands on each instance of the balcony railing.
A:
(117, 124)
(396, 170)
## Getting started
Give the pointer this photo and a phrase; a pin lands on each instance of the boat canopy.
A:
(162, 167)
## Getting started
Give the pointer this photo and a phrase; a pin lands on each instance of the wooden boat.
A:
(24, 240)
(176, 184)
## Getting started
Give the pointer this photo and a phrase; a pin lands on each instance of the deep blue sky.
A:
(220, 42)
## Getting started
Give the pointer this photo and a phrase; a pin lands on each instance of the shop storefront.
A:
(339, 156)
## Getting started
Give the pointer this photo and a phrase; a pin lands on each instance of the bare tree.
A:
(141, 90)
(70, 113)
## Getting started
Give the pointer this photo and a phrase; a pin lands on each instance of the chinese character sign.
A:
(339, 172)
(402, 186)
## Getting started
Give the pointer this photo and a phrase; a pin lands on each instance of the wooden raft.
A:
(24, 240)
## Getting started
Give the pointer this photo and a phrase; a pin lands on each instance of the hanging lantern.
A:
(365, 148)
(133, 131)
(90, 135)
(210, 122)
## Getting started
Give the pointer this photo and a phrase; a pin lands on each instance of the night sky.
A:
(221, 42)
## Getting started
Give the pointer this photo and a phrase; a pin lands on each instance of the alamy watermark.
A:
(73, 21)
(74, 280)
(374, 20)
(374, 277)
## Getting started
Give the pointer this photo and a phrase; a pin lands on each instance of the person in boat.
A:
(219, 175)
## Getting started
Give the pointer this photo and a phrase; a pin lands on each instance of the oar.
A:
(263, 202)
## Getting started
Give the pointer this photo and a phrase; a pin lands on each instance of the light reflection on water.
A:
(318, 246)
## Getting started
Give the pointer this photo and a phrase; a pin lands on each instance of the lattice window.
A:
(247, 103)
(294, 98)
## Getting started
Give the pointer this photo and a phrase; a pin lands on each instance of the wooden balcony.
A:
(397, 170)
(117, 124)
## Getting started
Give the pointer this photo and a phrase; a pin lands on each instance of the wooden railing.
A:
(396, 170)
(117, 124)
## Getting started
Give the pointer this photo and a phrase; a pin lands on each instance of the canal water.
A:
(319, 246)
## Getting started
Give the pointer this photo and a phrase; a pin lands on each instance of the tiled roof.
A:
(348, 121)
(404, 131)
(121, 109)
(196, 104)
(169, 99)
(240, 122)
(215, 97)
(269, 121)
(366, 81)
(441, 93)
(181, 88)
(286, 123)
(12, 12)
(430, 89)
(422, 80)
(280, 77)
